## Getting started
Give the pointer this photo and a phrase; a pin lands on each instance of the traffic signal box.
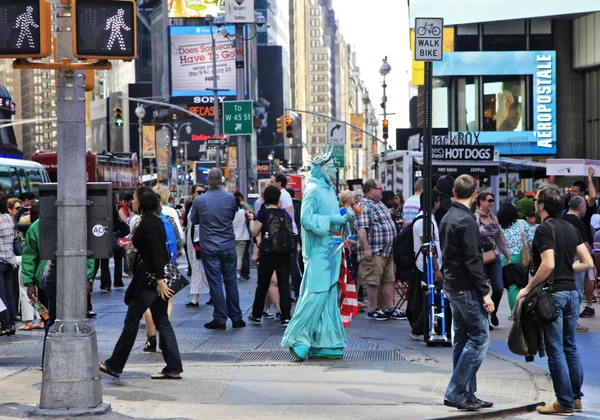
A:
(281, 125)
(26, 29)
(118, 115)
(104, 29)
(289, 127)
(385, 129)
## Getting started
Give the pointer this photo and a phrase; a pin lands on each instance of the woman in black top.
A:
(150, 241)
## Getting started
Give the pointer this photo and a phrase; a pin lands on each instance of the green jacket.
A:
(31, 266)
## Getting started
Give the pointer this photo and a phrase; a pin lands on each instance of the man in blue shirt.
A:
(214, 212)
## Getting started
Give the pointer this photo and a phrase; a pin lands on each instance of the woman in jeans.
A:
(491, 239)
(150, 241)
(7, 262)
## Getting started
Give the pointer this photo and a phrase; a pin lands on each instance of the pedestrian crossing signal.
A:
(385, 129)
(118, 114)
(25, 29)
(289, 127)
(104, 29)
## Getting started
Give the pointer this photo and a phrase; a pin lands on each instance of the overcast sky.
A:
(378, 28)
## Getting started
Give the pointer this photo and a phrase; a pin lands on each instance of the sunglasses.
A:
(200, 192)
(491, 201)
(380, 189)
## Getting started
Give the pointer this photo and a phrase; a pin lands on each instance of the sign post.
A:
(428, 47)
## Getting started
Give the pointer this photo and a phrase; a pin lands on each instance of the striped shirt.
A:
(7, 236)
(377, 220)
(411, 209)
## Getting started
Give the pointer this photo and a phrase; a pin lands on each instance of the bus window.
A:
(14, 178)
(5, 183)
(35, 178)
(23, 180)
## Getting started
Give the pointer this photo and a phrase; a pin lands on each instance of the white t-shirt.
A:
(286, 201)
(418, 233)
(171, 212)
(239, 226)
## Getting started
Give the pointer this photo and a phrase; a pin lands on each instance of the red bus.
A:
(120, 169)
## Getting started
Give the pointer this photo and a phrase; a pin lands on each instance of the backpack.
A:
(404, 248)
(171, 237)
(278, 234)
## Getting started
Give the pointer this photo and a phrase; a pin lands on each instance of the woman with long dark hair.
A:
(150, 241)
(493, 245)
(7, 263)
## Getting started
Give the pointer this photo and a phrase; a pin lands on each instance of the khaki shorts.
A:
(240, 247)
(380, 270)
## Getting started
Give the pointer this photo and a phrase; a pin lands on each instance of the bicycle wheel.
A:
(435, 31)
(421, 31)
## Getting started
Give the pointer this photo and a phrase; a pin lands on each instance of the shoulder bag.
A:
(172, 277)
(540, 300)
(525, 249)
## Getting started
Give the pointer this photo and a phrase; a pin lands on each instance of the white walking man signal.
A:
(114, 25)
(23, 22)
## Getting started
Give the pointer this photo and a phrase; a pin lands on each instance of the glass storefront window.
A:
(439, 102)
(468, 116)
(504, 103)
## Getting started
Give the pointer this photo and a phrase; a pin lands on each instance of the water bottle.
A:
(41, 309)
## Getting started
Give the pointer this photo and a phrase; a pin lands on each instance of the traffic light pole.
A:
(71, 378)
(241, 95)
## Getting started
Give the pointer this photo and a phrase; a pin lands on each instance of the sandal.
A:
(39, 326)
(103, 368)
(26, 327)
(162, 375)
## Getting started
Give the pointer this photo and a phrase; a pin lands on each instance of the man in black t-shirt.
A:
(555, 245)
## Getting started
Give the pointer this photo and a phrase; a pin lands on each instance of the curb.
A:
(491, 414)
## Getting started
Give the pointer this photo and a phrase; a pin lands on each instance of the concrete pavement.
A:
(244, 374)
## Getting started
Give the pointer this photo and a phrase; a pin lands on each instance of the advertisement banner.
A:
(191, 61)
(232, 157)
(195, 8)
(507, 100)
(148, 142)
(485, 153)
(163, 159)
(357, 138)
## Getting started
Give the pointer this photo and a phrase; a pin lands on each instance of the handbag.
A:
(540, 299)
(173, 278)
(18, 243)
(489, 257)
(526, 249)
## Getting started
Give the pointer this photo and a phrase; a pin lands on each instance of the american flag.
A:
(348, 289)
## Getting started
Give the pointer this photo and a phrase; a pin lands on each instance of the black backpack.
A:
(278, 234)
(404, 248)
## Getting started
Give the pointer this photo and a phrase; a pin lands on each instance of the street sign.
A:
(239, 11)
(26, 26)
(221, 142)
(336, 133)
(237, 118)
(429, 34)
(338, 157)
(104, 29)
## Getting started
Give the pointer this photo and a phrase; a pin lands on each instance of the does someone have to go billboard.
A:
(518, 118)
(192, 61)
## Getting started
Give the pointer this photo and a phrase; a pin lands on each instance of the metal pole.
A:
(367, 141)
(241, 95)
(140, 157)
(185, 181)
(216, 97)
(427, 194)
(71, 378)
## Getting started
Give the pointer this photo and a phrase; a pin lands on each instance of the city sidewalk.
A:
(244, 374)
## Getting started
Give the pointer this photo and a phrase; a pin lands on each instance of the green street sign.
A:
(338, 157)
(237, 118)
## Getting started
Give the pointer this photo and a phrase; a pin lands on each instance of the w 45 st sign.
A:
(237, 118)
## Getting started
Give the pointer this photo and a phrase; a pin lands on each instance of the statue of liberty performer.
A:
(316, 329)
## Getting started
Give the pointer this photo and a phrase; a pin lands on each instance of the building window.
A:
(504, 103)
(467, 96)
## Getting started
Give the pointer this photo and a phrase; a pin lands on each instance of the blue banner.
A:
(541, 65)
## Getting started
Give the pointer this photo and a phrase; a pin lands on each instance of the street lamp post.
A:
(366, 101)
(176, 135)
(270, 157)
(217, 21)
(384, 70)
(140, 112)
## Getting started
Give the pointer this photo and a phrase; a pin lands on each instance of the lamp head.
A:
(188, 129)
(140, 112)
(385, 67)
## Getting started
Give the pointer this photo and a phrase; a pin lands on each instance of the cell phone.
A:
(122, 241)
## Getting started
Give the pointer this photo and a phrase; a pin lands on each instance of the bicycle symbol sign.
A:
(429, 33)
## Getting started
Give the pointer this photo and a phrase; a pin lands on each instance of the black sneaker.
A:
(254, 320)
(239, 324)
(285, 323)
(278, 315)
(377, 315)
(268, 315)
(396, 314)
(214, 325)
(588, 313)
(150, 346)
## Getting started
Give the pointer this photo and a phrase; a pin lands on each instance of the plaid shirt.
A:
(7, 236)
(377, 220)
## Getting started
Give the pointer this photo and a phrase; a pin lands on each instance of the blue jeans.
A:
(580, 284)
(296, 274)
(220, 267)
(494, 274)
(563, 358)
(471, 340)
